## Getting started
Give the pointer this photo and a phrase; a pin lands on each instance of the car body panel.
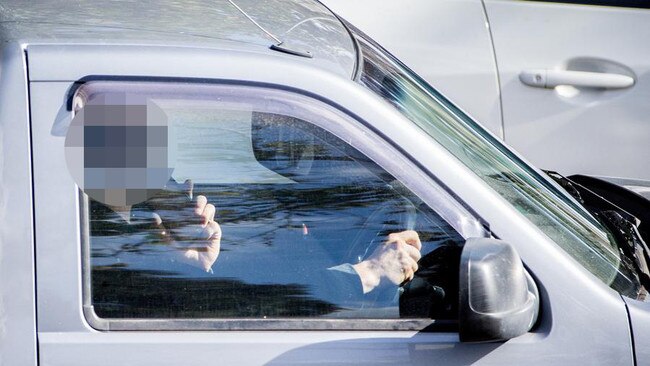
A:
(17, 283)
(575, 130)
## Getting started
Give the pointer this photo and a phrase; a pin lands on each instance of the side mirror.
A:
(498, 298)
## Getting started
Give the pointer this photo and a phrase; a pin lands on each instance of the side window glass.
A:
(266, 216)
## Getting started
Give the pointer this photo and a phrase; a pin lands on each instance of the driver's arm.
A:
(395, 261)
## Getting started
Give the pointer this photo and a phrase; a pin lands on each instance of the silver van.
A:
(251, 183)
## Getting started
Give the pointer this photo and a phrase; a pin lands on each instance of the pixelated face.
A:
(116, 149)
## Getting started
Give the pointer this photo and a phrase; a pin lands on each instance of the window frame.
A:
(473, 223)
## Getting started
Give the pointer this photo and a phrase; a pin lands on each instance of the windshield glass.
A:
(552, 210)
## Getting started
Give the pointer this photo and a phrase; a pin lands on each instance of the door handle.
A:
(545, 78)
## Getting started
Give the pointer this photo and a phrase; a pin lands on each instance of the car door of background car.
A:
(98, 284)
(571, 128)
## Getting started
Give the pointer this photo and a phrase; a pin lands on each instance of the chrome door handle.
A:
(545, 78)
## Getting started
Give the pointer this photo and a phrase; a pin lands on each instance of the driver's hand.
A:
(199, 239)
(206, 253)
(394, 261)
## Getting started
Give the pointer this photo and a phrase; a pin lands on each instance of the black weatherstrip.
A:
(629, 318)
(31, 173)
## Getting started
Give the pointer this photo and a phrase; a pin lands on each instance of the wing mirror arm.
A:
(499, 300)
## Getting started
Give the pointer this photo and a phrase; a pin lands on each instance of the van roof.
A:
(300, 25)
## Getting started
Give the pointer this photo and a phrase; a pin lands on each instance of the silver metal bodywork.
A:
(41, 278)
(592, 131)
(17, 267)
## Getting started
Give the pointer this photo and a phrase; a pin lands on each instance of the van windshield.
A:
(550, 208)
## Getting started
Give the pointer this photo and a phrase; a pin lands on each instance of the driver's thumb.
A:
(188, 187)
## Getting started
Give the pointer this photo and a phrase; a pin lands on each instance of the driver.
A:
(197, 241)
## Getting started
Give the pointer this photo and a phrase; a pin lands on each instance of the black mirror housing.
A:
(499, 300)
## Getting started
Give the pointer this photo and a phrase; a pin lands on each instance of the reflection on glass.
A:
(294, 221)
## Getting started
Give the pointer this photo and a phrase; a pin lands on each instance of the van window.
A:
(297, 208)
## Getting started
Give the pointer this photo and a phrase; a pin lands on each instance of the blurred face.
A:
(116, 149)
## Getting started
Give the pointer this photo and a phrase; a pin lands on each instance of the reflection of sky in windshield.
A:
(302, 25)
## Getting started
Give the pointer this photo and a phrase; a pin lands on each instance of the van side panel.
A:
(17, 293)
